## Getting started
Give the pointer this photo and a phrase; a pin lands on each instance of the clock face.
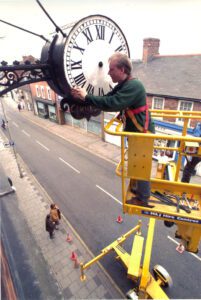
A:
(88, 47)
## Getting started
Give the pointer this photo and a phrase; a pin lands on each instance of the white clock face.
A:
(89, 45)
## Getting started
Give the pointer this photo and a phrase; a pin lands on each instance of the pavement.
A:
(57, 253)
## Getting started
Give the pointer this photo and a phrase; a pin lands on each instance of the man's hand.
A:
(79, 93)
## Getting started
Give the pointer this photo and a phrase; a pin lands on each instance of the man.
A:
(49, 226)
(128, 97)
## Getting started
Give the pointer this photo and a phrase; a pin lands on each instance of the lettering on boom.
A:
(170, 217)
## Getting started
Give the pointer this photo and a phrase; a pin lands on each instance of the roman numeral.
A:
(90, 89)
(76, 64)
(88, 35)
(101, 92)
(120, 48)
(100, 32)
(111, 37)
(78, 48)
(80, 79)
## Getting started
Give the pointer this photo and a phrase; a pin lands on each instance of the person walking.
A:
(19, 106)
(55, 215)
(3, 124)
(128, 97)
(49, 226)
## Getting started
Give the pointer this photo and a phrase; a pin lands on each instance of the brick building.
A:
(171, 81)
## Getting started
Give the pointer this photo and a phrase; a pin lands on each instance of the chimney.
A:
(150, 48)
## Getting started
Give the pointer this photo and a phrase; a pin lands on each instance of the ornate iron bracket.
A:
(16, 75)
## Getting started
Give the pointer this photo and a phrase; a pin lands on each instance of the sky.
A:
(177, 23)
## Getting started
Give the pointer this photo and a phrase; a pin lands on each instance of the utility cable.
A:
(58, 29)
(41, 36)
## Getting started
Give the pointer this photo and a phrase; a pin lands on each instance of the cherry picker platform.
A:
(171, 200)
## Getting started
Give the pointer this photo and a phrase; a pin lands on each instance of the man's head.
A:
(119, 67)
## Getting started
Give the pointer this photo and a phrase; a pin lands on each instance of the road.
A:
(88, 192)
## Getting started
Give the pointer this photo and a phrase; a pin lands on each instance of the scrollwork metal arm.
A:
(14, 76)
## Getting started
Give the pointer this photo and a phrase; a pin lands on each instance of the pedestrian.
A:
(55, 214)
(3, 124)
(19, 106)
(49, 226)
(128, 97)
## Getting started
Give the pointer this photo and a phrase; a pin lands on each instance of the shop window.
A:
(94, 126)
(41, 109)
(171, 154)
(68, 118)
(52, 113)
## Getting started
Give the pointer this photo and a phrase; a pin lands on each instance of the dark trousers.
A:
(189, 168)
(142, 189)
(51, 233)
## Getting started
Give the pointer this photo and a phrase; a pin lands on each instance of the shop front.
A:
(46, 110)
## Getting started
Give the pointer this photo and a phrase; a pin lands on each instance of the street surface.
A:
(89, 195)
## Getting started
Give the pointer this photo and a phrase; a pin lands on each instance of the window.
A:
(41, 109)
(185, 106)
(37, 91)
(49, 94)
(42, 92)
(52, 113)
(158, 103)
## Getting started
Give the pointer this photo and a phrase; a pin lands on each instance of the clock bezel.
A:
(78, 28)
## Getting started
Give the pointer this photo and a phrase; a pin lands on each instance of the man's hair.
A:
(122, 61)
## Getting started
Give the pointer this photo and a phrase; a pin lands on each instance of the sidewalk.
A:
(57, 252)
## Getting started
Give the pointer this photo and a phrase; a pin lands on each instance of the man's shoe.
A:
(133, 190)
(136, 201)
(133, 201)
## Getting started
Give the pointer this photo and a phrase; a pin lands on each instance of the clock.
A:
(88, 47)
(81, 59)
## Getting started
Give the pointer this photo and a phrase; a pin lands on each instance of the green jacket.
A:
(128, 94)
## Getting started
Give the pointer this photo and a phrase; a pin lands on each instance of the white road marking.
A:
(108, 194)
(26, 133)
(15, 124)
(69, 165)
(42, 145)
(196, 256)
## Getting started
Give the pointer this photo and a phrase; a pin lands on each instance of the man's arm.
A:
(130, 94)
